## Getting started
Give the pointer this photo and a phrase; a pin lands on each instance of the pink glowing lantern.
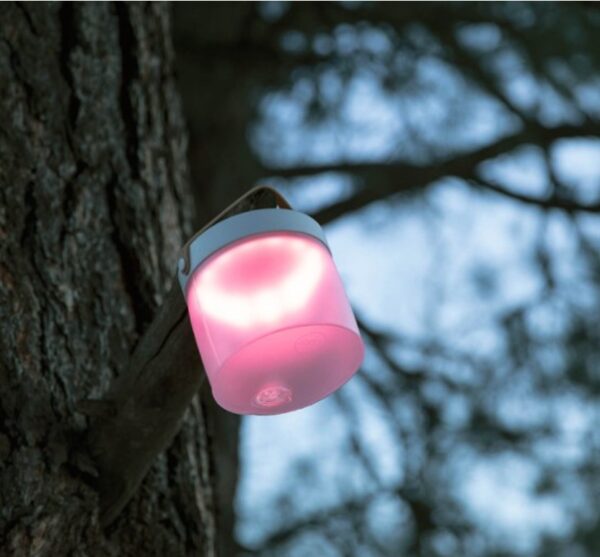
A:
(269, 312)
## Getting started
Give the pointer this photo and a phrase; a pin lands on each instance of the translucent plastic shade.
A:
(273, 324)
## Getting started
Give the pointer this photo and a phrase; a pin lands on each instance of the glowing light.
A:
(272, 322)
(259, 281)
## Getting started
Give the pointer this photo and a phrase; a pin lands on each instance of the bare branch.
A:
(554, 202)
(480, 74)
(386, 179)
(319, 519)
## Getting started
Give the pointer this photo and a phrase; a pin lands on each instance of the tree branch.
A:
(319, 519)
(480, 74)
(385, 179)
(554, 202)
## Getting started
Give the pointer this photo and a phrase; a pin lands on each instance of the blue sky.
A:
(440, 266)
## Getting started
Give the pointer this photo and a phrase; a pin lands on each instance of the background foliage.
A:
(452, 151)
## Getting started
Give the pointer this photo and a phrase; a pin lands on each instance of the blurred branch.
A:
(528, 49)
(347, 509)
(386, 179)
(420, 506)
(553, 202)
(316, 521)
(490, 434)
(356, 446)
(471, 66)
(379, 341)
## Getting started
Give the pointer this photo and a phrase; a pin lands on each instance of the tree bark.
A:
(94, 205)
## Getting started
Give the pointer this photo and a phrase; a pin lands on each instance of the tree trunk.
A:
(94, 206)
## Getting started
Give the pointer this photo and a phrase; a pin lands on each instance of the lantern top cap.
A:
(238, 227)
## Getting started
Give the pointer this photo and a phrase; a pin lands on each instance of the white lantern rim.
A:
(239, 227)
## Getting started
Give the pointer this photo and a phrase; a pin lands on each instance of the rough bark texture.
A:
(141, 413)
(93, 208)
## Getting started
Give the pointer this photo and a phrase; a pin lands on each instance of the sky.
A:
(444, 265)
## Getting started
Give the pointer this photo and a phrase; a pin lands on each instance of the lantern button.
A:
(273, 395)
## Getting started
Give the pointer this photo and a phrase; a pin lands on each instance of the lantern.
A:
(269, 312)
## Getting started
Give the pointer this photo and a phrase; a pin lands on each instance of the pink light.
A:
(273, 324)
(259, 281)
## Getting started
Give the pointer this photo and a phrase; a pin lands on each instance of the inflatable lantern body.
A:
(269, 312)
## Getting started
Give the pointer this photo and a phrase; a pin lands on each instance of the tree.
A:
(94, 206)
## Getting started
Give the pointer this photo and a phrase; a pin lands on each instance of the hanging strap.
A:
(252, 199)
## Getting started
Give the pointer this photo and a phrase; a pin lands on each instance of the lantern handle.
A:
(254, 197)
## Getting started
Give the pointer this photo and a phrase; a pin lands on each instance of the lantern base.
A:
(287, 370)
